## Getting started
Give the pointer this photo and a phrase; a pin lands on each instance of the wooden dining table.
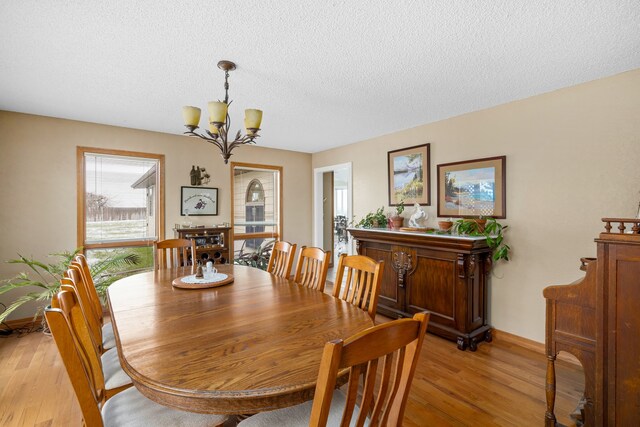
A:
(251, 346)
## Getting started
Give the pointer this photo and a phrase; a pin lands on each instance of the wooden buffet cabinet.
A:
(445, 275)
(212, 243)
(597, 319)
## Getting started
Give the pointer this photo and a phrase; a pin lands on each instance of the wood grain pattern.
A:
(501, 384)
(311, 271)
(395, 346)
(281, 259)
(172, 253)
(361, 284)
(249, 347)
(446, 275)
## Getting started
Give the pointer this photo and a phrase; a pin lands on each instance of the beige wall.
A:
(38, 176)
(573, 157)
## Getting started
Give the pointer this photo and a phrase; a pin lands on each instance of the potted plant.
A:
(445, 225)
(373, 219)
(46, 277)
(397, 220)
(492, 230)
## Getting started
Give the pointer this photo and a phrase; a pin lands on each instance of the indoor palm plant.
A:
(45, 277)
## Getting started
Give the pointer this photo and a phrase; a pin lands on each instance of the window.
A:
(256, 207)
(119, 203)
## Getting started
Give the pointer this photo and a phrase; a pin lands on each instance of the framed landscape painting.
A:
(473, 188)
(408, 176)
(198, 201)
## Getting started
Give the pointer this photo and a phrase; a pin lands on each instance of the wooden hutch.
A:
(597, 319)
(212, 243)
(443, 274)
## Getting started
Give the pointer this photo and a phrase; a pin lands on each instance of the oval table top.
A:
(251, 346)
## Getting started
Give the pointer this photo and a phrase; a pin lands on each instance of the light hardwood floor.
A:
(501, 384)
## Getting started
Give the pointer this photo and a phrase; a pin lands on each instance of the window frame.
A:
(81, 193)
(247, 236)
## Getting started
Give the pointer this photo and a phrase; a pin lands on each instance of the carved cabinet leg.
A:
(488, 336)
(462, 345)
(550, 389)
(473, 344)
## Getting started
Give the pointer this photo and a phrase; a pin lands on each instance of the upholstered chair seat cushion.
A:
(299, 415)
(114, 376)
(131, 409)
(108, 337)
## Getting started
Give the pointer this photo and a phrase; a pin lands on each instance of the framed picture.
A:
(473, 188)
(409, 176)
(196, 201)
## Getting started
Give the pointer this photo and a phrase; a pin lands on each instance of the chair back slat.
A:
(173, 253)
(362, 284)
(93, 319)
(81, 261)
(311, 271)
(69, 302)
(398, 344)
(74, 365)
(281, 259)
(71, 334)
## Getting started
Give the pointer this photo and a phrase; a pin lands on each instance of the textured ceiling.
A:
(326, 73)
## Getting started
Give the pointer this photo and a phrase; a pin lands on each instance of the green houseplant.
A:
(373, 219)
(397, 220)
(492, 230)
(45, 277)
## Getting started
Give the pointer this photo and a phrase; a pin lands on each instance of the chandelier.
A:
(220, 122)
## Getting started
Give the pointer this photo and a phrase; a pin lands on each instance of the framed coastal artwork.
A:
(198, 201)
(409, 176)
(473, 188)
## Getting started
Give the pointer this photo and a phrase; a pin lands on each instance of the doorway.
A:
(332, 207)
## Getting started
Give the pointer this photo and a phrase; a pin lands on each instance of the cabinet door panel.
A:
(624, 328)
(432, 287)
(390, 293)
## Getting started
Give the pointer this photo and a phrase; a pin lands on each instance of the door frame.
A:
(317, 201)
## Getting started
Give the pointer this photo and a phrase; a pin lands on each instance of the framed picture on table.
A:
(409, 176)
(473, 188)
(198, 201)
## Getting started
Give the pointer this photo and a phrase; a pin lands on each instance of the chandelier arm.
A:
(214, 141)
(242, 141)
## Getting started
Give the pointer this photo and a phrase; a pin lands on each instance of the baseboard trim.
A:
(23, 323)
(532, 345)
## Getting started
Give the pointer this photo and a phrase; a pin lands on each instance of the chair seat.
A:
(108, 337)
(131, 409)
(114, 376)
(299, 415)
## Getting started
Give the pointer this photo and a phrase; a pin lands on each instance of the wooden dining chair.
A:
(107, 375)
(385, 356)
(312, 267)
(73, 278)
(281, 259)
(361, 284)
(85, 279)
(129, 407)
(172, 253)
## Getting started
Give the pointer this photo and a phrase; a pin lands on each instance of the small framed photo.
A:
(198, 201)
(409, 176)
(473, 188)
